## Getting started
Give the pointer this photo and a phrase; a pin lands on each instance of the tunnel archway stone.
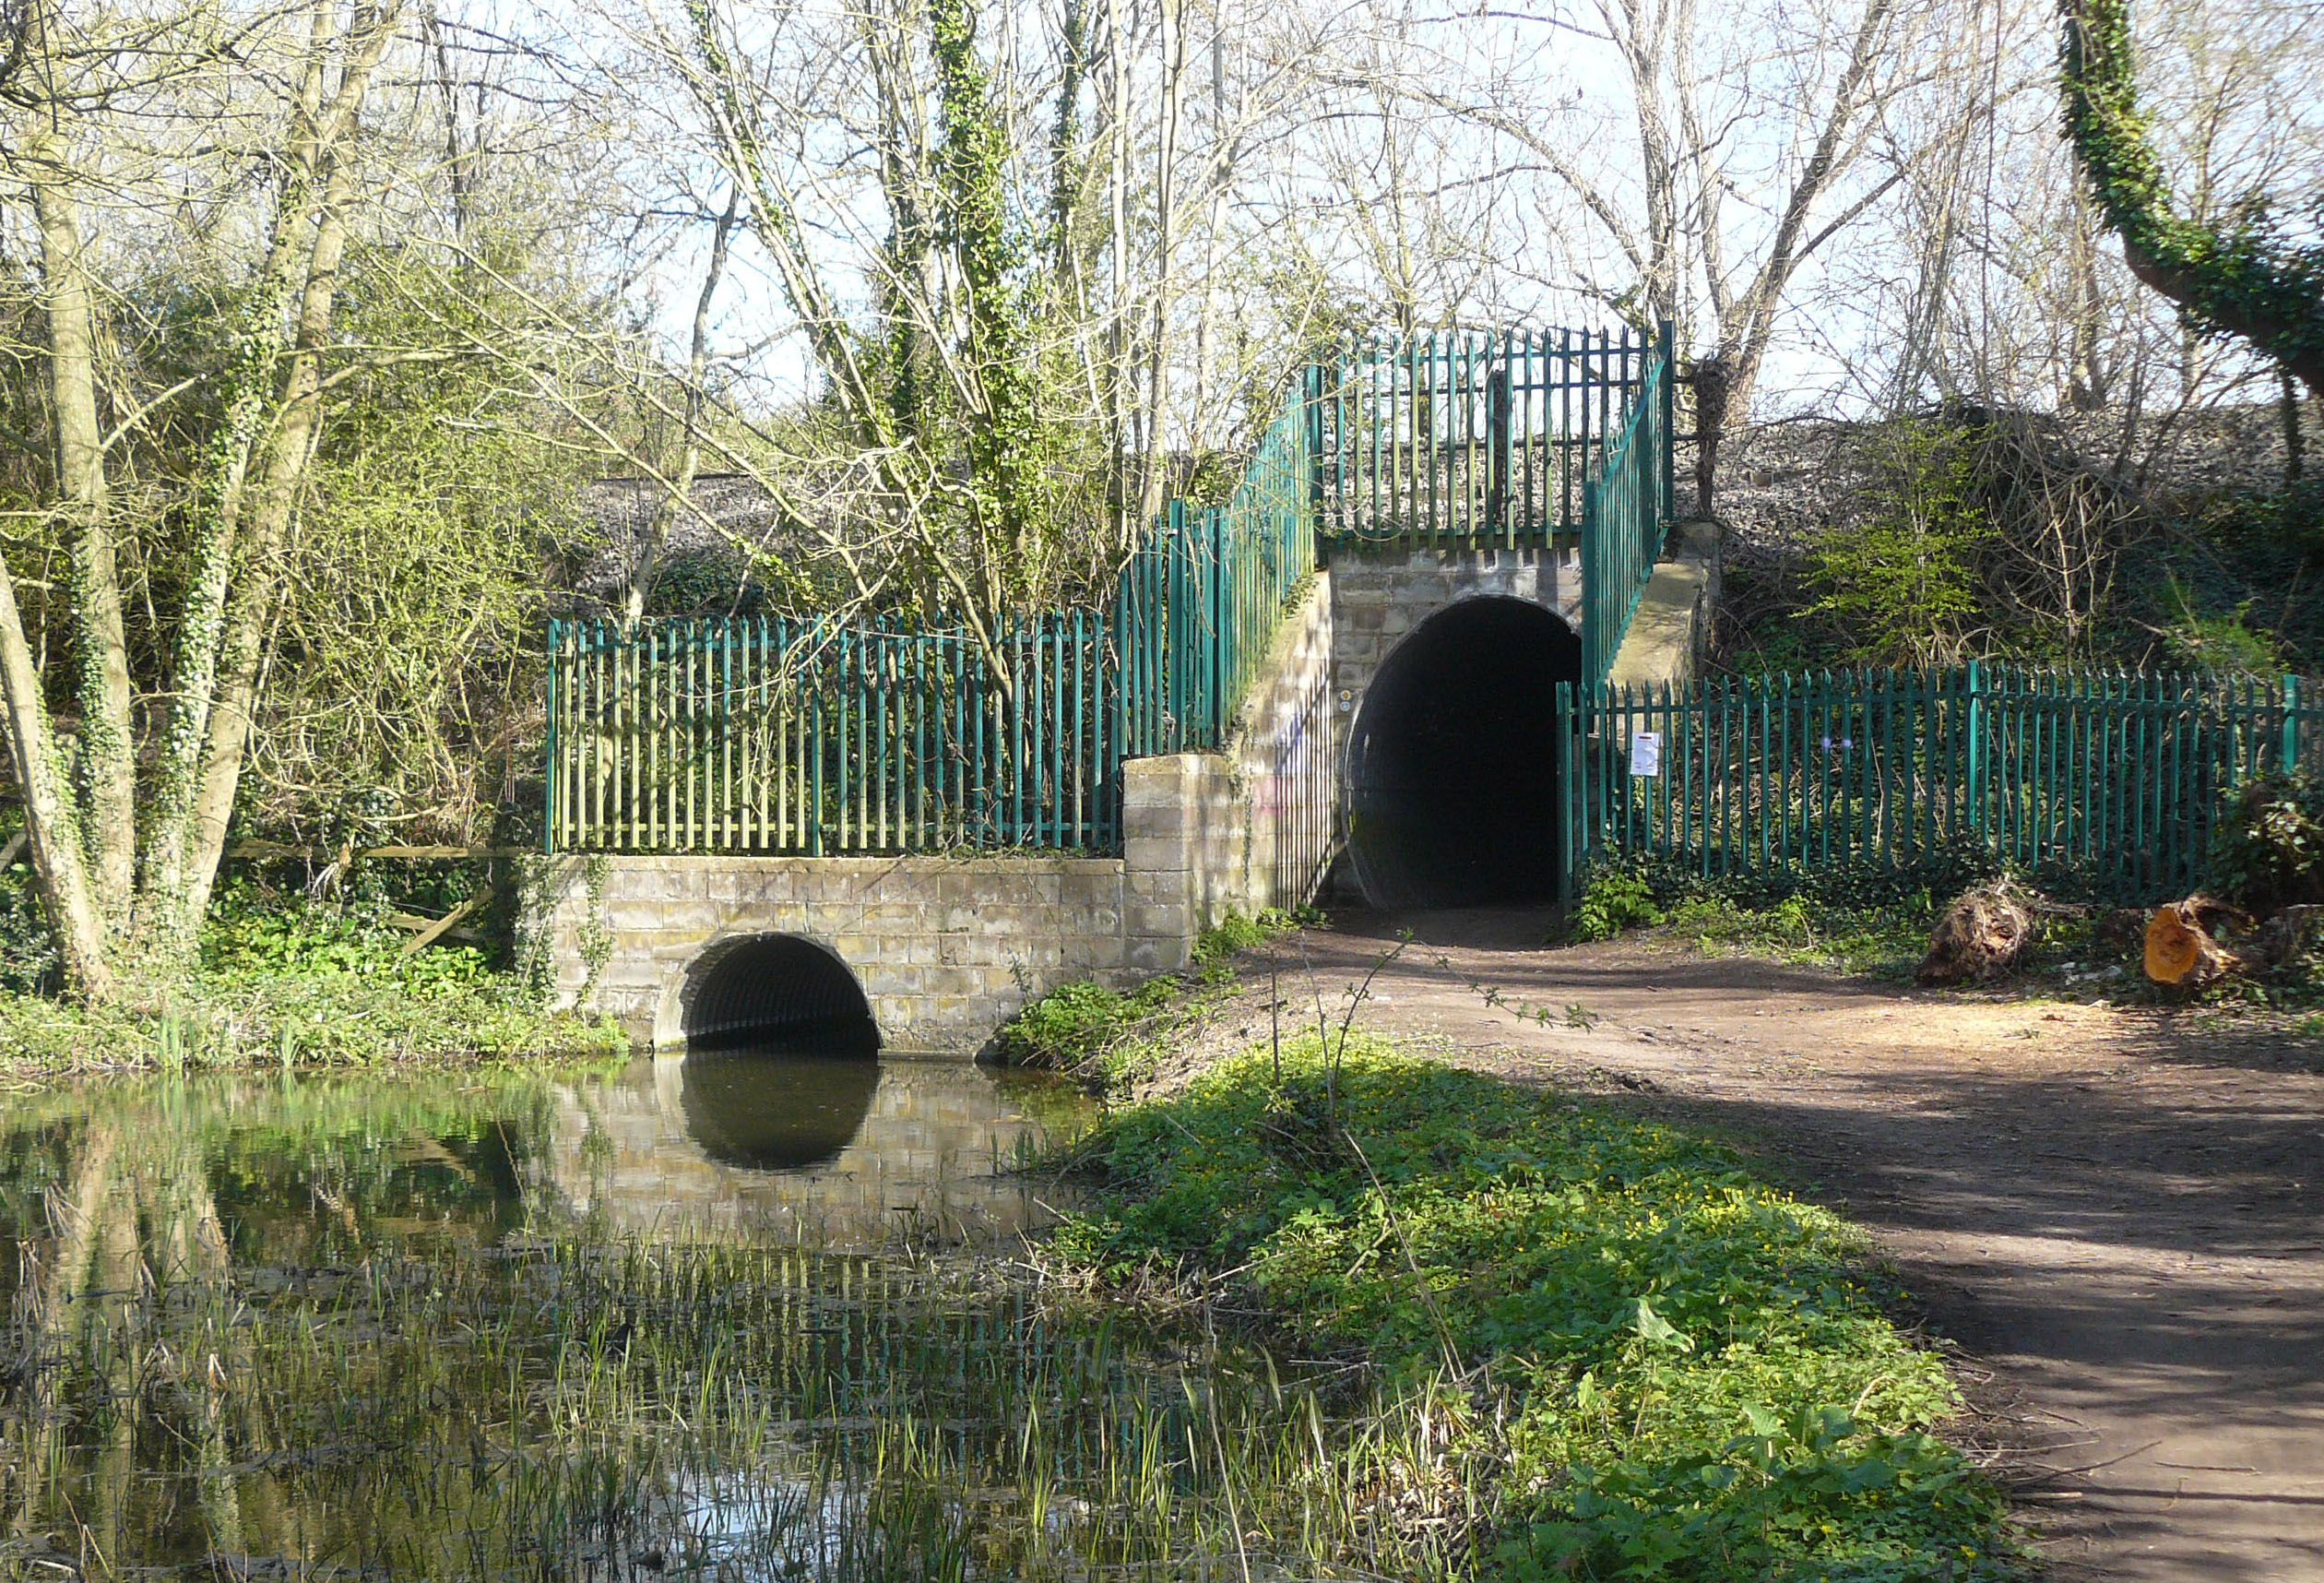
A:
(1379, 597)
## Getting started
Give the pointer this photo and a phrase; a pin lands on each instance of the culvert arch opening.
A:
(776, 992)
(1452, 796)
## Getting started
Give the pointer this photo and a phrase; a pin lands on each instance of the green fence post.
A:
(1666, 339)
(1221, 626)
(1595, 600)
(1563, 723)
(549, 798)
(1312, 434)
(1977, 787)
(2288, 759)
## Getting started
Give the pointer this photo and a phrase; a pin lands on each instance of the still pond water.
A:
(742, 1317)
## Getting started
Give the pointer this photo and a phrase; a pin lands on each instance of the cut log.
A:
(2180, 949)
(1985, 935)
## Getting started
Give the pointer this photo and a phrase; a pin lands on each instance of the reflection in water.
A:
(458, 1327)
(841, 1151)
(777, 1114)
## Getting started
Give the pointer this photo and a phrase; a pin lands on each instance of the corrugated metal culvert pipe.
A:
(767, 992)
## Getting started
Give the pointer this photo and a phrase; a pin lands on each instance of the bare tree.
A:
(1747, 144)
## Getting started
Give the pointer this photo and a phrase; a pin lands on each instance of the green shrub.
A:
(1076, 1026)
(28, 957)
(1901, 579)
(2199, 637)
(283, 979)
(2229, 589)
(255, 930)
(1235, 933)
(303, 1019)
(1614, 900)
(1104, 1034)
(2269, 851)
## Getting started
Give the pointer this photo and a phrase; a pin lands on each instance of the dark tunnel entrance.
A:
(777, 992)
(1453, 767)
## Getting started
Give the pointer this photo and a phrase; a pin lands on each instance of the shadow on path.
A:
(2117, 1213)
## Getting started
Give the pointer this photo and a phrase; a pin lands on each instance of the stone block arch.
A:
(1379, 597)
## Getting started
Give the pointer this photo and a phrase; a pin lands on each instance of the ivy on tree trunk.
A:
(125, 859)
(2246, 280)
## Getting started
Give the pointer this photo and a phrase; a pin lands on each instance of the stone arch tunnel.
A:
(1415, 692)
(767, 992)
(1451, 765)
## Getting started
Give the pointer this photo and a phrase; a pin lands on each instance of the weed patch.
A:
(285, 980)
(1861, 918)
(1235, 933)
(1104, 1036)
(1690, 1376)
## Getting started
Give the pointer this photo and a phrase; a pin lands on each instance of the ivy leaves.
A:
(2248, 280)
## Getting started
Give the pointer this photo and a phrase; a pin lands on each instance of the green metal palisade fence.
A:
(1478, 437)
(826, 738)
(787, 736)
(1625, 514)
(1200, 600)
(2110, 780)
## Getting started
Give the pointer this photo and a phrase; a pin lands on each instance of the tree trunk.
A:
(60, 866)
(108, 747)
(247, 617)
(2262, 291)
(176, 895)
(1709, 421)
(1154, 483)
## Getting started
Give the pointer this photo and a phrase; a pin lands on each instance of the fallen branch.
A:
(443, 925)
(282, 849)
(419, 922)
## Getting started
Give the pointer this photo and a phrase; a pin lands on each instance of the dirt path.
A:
(2118, 1215)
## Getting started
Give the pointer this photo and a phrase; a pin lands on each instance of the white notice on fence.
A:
(1646, 753)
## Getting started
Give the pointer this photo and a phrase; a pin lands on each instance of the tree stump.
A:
(1983, 935)
(2180, 950)
(2286, 937)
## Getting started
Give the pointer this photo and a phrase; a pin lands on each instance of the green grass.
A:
(282, 980)
(1108, 1037)
(1685, 1375)
(1886, 941)
(292, 1019)
(1856, 917)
